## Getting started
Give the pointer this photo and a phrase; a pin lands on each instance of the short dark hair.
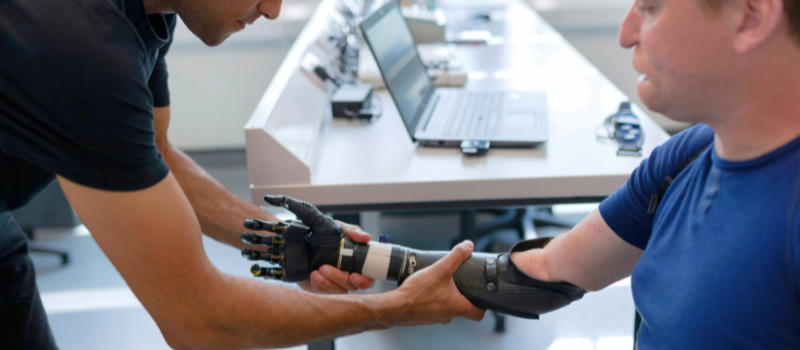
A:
(790, 7)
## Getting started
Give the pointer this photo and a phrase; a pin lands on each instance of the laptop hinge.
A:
(429, 115)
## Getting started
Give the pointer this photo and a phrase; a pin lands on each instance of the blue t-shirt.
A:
(721, 260)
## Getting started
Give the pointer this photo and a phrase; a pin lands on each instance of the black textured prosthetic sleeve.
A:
(488, 280)
(492, 281)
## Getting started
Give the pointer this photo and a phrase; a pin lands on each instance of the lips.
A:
(642, 78)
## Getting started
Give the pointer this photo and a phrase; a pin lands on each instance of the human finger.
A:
(453, 260)
(325, 285)
(472, 312)
(361, 281)
(338, 277)
(354, 232)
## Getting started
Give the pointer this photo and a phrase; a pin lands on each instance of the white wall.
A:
(215, 90)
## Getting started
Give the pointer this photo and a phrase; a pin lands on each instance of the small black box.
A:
(350, 99)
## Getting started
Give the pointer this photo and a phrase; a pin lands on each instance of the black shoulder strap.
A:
(655, 199)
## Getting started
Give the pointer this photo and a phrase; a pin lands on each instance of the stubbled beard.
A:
(210, 32)
(211, 36)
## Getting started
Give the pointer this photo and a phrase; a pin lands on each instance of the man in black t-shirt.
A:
(84, 100)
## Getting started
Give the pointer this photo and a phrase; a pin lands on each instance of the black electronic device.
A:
(624, 128)
(488, 280)
(322, 73)
(627, 131)
(352, 101)
(444, 117)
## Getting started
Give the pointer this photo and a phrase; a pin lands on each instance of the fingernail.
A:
(317, 278)
(355, 280)
(325, 271)
(469, 243)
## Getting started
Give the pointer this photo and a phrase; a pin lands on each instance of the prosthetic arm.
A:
(488, 280)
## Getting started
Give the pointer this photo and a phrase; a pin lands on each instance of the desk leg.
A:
(322, 345)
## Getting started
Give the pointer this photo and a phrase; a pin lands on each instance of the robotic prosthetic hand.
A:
(488, 280)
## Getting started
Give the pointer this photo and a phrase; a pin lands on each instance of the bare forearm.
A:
(258, 315)
(253, 314)
(152, 238)
(219, 212)
(590, 256)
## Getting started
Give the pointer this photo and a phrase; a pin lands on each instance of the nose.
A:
(270, 8)
(629, 35)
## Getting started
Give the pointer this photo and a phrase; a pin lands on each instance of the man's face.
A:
(682, 51)
(213, 21)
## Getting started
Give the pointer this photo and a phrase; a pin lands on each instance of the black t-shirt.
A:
(78, 81)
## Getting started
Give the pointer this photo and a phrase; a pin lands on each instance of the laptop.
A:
(447, 116)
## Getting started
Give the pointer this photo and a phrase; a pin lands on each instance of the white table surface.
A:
(363, 166)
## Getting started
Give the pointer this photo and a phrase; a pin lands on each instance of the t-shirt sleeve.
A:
(79, 103)
(625, 211)
(796, 239)
(158, 79)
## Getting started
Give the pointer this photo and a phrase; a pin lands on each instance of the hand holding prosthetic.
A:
(488, 280)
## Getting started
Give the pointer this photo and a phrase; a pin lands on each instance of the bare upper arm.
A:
(161, 118)
(153, 239)
(590, 255)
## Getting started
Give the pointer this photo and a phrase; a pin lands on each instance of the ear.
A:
(760, 20)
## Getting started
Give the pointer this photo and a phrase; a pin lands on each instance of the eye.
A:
(645, 8)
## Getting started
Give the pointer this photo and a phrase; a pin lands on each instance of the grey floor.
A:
(90, 307)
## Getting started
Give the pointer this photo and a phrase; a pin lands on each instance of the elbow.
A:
(177, 343)
(593, 287)
(596, 284)
(193, 330)
(180, 338)
(192, 338)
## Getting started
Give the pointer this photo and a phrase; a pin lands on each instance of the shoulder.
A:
(626, 210)
(69, 47)
(687, 144)
(669, 158)
(54, 29)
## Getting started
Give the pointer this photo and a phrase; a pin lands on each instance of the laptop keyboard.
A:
(475, 114)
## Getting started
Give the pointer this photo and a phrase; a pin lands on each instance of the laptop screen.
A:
(395, 52)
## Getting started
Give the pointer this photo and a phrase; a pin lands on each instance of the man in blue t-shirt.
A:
(84, 100)
(717, 265)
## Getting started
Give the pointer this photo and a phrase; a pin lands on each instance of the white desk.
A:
(375, 166)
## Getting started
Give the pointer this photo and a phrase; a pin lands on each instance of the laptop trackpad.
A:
(519, 120)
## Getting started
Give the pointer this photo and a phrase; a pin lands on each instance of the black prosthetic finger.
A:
(273, 255)
(258, 271)
(278, 201)
(254, 239)
(261, 225)
(306, 212)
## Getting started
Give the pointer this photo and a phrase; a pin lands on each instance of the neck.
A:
(767, 114)
(157, 6)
